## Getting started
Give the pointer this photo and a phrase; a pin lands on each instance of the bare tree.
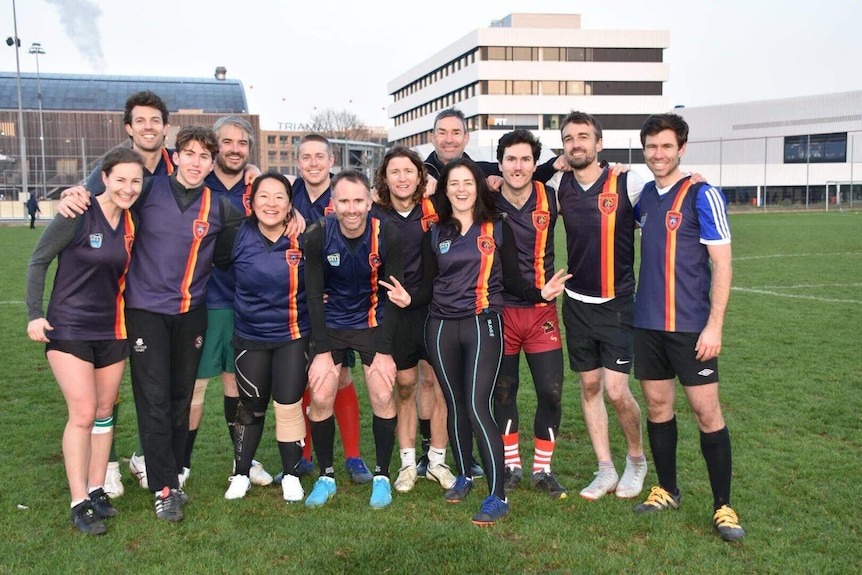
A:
(339, 124)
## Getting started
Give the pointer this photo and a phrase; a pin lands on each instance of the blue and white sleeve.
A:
(712, 216)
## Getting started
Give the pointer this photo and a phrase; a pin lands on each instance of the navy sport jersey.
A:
(311, 211)
(220, 289)
(412, 228)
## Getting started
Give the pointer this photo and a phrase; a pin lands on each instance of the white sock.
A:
(408, 457)
(78, 502)
(436, 456)
(91, 489)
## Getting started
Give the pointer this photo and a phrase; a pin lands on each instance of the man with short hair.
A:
(597, 208)
(683, 290)
(347, 254)
(235, 138)
(531, 211)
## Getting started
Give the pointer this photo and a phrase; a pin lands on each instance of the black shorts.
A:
(101, 353)
(344, 341)
(599, 334)
(408, 344)
(667, 354)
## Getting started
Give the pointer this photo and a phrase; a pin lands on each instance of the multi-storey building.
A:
(529, 71)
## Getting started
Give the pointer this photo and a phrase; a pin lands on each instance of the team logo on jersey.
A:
(428, 220)
(608, 203)
(328, 210)
(140, 346)
(444, 246)
(673, 220)
(293, 257)
(95, 241)
(334, 260)
(541, 219)
(200, 229)
(374, 261)
(548, 327)
(486, 244)
(130, 240)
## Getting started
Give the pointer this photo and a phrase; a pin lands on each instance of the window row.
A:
(449, 68)
(816, 149)
(583, 54)
(436, 105)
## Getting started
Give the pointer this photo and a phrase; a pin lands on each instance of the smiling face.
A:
(233, 149)
(663, 154)
(461, 191)
(123, 185)
(581, 145)
(147, 129)
(450, 139)
(194, 163)
(271, 204)
(402, 177)
(351, 201)
(314, 162)
(518, 167)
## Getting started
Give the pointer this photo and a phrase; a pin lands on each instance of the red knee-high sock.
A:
(347, 415)
(306, 401)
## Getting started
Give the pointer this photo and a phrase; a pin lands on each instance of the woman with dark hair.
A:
(469, 258)
(87, 348)
(271, 326)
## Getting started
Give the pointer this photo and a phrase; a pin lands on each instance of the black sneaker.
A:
(422, 466)
(169, 505)
(102, 504)
(86, 520)
(546, 481)
(511, 477)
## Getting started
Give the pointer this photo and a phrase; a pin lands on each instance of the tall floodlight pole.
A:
(36, 49)
(16, 42)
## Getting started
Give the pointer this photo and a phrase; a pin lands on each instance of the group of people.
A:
(437, 275)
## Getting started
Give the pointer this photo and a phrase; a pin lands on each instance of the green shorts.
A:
(217, 355)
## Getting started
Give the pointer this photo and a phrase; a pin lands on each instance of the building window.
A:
(525, 53)
(816, 149)
(282, 141)
(576, 54)
(495, 53)
(270, 140)
(627, 54)
(551, 54)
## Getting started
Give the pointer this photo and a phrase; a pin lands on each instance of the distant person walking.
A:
(33, 209)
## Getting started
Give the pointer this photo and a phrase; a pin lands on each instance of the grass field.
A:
(791, 392)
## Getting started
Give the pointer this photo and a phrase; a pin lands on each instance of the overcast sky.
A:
(294, 56)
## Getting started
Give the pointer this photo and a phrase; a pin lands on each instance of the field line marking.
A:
(771, 256)
(12, 302)
(796, 296)
(804, 286)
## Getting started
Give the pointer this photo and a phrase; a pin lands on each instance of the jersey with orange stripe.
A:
(165, 167)
(221, 285)
(533, 225)
(87, 298)
(173, 253)
(311, 211)
(351, 270)
(270, 289)
(600, 228)
(675, 274)
(413, 227)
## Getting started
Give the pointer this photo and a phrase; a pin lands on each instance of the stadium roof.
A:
(91, 93)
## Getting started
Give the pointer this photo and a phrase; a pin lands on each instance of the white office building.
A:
(529, 71)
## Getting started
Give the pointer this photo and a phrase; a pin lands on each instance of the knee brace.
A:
(289, 422)
(200, 391)
(104, 425)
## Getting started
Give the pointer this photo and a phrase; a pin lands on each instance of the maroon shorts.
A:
(533, 329)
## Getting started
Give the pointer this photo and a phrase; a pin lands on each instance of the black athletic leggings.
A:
(465, 355)
(547, 371)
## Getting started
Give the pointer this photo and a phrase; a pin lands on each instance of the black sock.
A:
(230, 406)
(384, 442)
(425, 430)
(322, 438)
(662, 442)
(291, 453)
(715, 447)
(190, 445)
(247, 439)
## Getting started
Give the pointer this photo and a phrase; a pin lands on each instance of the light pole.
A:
(15, 41)
(36, 49)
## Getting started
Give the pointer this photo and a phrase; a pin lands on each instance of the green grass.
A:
(791, 393)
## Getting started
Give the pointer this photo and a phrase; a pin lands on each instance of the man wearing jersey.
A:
(683, 290)
(597, 209)
(347, 254)
(530, 209)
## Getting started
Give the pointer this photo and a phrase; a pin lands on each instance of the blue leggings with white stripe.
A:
(466, 355)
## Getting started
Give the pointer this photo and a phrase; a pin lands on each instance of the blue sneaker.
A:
(304, 467)
(381, 492)
(492, 510)
(475, 468)
(459, 491)
(324, 488)
(422, 466)
(358, 471)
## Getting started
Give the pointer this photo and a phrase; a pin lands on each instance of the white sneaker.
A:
(183, 476)
(406, 479)
(257, 473)
(291, 489)
(632, 481)
(605, 482)
(138, 467)
(114, 481)
(239, 486)
(441, 474)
